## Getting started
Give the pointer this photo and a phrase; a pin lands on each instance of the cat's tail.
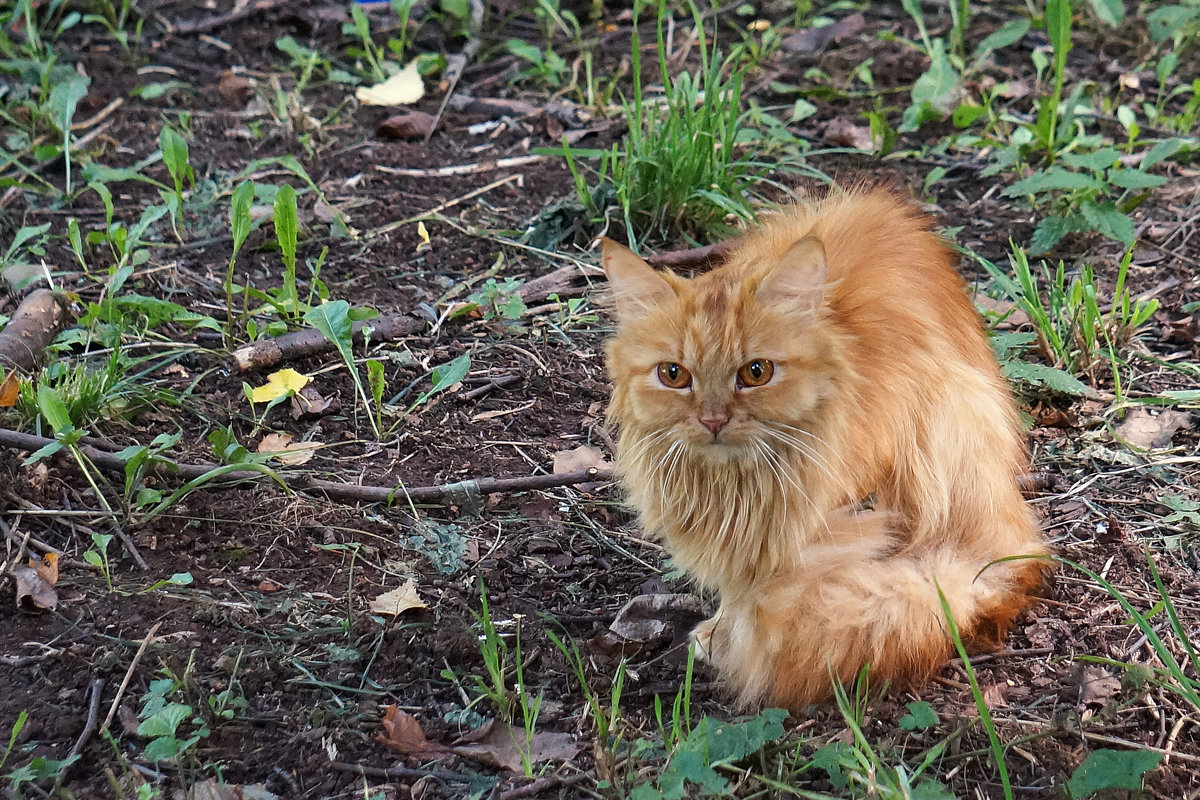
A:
(857, 603)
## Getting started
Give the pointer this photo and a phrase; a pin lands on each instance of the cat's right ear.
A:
(797, 283)
(637, 287)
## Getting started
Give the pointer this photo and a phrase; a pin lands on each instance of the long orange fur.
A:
(884, 392)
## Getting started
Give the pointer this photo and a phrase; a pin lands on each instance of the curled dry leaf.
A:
(214, 789)
(843, 133)
(409, 125)
(1096, 685)
(9, 389)
(402, 733)
(33, 592)
(582, 457)
(235, 89)
(648, 620)
(813, 41)
(1150, 431)
(286, 451)
(404, 87)
(397, 601)
(308, 402)
(502, 746)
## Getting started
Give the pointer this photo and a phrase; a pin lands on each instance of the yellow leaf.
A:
(404, 87)
(397, 601)
(423, 232)
(279, 384)
(9, 389)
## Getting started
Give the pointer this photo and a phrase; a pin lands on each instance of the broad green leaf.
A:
(163, 748)
(1058, 28)
(64, 98)
(1165, 22)
(1042, 375)
(53, 408)
(165, 722)
(447, 375)
(1096, 161)
(1006, 35)
(286, 225)
(333, 320)
(175, 155)
(1050, 232)
(239, 213)
(1054, 178)
(1135, 179)
(1108, 220)
(1110, 12)
(1111, 769)
(920, 716)
(1160, 152)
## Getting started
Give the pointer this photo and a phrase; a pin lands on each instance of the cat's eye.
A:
(674, 376)
(755, 373)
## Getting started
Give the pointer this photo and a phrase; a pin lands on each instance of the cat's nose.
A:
(714, 423)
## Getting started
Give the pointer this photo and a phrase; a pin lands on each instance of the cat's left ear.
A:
(797, 283)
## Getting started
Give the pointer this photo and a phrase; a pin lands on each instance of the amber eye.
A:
(674, 376)
(755, 373)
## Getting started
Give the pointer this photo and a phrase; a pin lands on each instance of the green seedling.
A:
(443, 376)
(286, 228)
(240, 203)
(174, 150)
(166, 723)
(15, 267)
(494, 651)
(333, 320)
(377, 383)
(499, 300)
(98, 556)
(17, 727)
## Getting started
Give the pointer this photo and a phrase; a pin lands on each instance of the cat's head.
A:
(731, 361)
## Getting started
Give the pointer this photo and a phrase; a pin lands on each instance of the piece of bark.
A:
(310, 341)
(560, 282)
(39, 318)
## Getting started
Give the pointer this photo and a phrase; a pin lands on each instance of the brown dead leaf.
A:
(308, 402)
(397, 601)
(235, 89)
(33, 592)
(9, 389)
(1185, 330)
(582, 457)
(286, 451)
(1151, 431)
(813, 41)
(995, 695)
(503, 745)
(402, 733)
(649, 620)
(843, 133)
(1096, 685)
(409, 125)
(214, 789)
(1010, 317)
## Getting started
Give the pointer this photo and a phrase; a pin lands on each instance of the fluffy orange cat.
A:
(833, 360)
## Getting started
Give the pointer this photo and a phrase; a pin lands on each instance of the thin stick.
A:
(112, 710)
(449, 492)
(97, 687)
(397, 772)
(391, 226)
(463, 169)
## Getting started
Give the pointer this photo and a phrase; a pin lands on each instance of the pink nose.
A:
(714, 424)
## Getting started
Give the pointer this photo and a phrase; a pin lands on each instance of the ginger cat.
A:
(833, 359)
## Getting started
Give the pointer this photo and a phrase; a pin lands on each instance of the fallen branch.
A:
(96, 687)
(444, 493)
(707, 256)
(209, 24)
(310, 341)
(39, 318)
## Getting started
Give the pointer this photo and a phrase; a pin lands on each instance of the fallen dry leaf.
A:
(1148, 431)
(648, 620)
(409, 125)
(843, 133)
(503, 744)
(46, 567)
(423, 233)
(285, 450)
(815, 40)
(1011, 317)
(9, 390)
(1096, 685)
(235, 89)
(582, 457)
(33, 592)
(308, 402)
(402, 733)
(397, 601)
(214, 789)
(406, 86)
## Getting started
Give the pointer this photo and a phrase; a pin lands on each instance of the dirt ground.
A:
(278, 610)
